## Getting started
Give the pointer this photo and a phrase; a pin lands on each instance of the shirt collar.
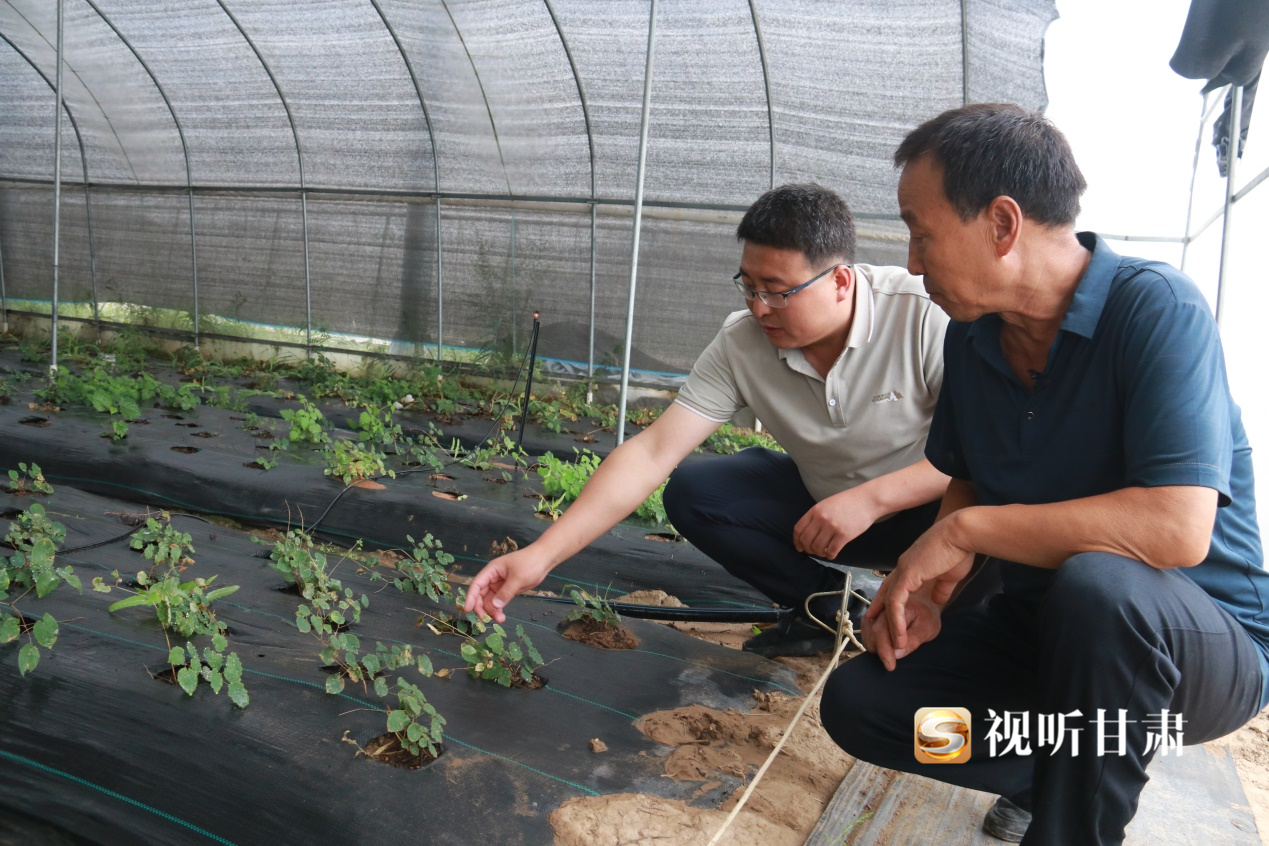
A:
(1085, 310)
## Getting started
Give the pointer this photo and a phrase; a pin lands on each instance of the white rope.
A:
(735, 812)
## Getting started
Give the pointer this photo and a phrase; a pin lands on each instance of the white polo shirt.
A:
(868, 418)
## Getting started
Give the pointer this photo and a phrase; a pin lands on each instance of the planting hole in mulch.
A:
(538, 682)
(262, 434)
(205, 434)
(440, 477)
(11, 514)
(663, 537)
(173, 417)
(166, 675)
(188, 425)
(185, 449)
(254, 465)
(594, 633)
(41, 422)
(453, 496)
(386, 749)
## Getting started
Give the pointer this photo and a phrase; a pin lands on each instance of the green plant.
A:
(406, 720)
(116, 430)
(729, 439)
(462, 623)
(352, 462)
(374, 426)
(28, 479)
(183, 607)
(296, 557)
(501, 660)
(251, 421)
(308, 424)
(217, 668)
(159, 541)
(591, 607)
(35, 539)
(566, 478)
(423, 570)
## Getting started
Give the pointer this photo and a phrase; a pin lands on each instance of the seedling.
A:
(216, 667)
(353, 462)
(35, 539)
(28, 480)
(591, 607)
(404, 720)
(308, 424)
(375, 427)
(462, 623)
(501, 660)
(423, 569)
(183, 607)
(160, 542)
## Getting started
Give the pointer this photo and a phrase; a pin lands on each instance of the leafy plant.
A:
(330, 604)
(28, 479)
(353, 462)
(183, 607)
(591, 607)
(159, 541)
(501, 660)
(423, 570)
(729, 439)
(116, 429)
(35, 539)
(216, 667)
(406, 721)
(566, 478)
(308, 424)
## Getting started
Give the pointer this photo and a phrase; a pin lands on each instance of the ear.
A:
(1004, 224)
(843, 278)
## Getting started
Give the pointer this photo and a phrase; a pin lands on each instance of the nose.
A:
(915, 266)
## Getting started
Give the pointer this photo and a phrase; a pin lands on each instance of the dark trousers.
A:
(740, 510)
(1109, 633)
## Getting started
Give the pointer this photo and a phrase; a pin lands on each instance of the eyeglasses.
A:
(775, 299)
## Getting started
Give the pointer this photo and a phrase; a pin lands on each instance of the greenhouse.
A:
(313, 308)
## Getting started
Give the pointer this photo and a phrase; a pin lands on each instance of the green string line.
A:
(112, 794)
(361, 702)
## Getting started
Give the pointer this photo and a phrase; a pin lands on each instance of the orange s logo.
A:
(941, 735)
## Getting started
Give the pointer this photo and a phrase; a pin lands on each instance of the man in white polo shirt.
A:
(842, 364)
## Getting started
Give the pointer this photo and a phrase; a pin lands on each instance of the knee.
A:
(682, 491)
(1093, 593)
(849, 702)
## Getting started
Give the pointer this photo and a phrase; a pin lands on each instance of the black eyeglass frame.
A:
(769, 298)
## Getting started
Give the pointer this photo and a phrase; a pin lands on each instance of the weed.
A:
(160, 542)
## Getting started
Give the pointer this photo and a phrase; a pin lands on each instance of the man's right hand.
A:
(503, 579)
(924, 621)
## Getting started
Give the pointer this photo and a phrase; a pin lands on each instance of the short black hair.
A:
(989, 150)
(809, 218)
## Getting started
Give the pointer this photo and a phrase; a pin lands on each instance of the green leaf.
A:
(494, 642)
(415, 732)
(397, 721)
(425, 665)
(334, 683)
(188, 679)
(130, 602)
(381, 686)
(371, 663)
(177, 656)
(28, 658)
(216, 680)
(45, 631)
(233, 668)
(219, 592)
(238, 694)
(219, 642)
(468, 651)
(10, 629)
(302, 623)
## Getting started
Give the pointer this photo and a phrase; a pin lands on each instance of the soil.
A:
(719, 748)
(386, 749)
(601, 635)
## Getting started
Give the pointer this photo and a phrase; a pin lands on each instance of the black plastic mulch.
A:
(96, 748)
(199, 461)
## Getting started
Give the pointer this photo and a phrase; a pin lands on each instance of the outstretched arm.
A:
(622, 481)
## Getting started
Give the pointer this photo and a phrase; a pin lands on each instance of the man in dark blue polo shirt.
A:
(1097, 457)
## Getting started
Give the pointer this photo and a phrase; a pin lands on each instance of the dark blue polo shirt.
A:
(1134, 394)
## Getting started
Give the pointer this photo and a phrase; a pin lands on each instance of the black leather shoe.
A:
(793, 636)
(1006, 821)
